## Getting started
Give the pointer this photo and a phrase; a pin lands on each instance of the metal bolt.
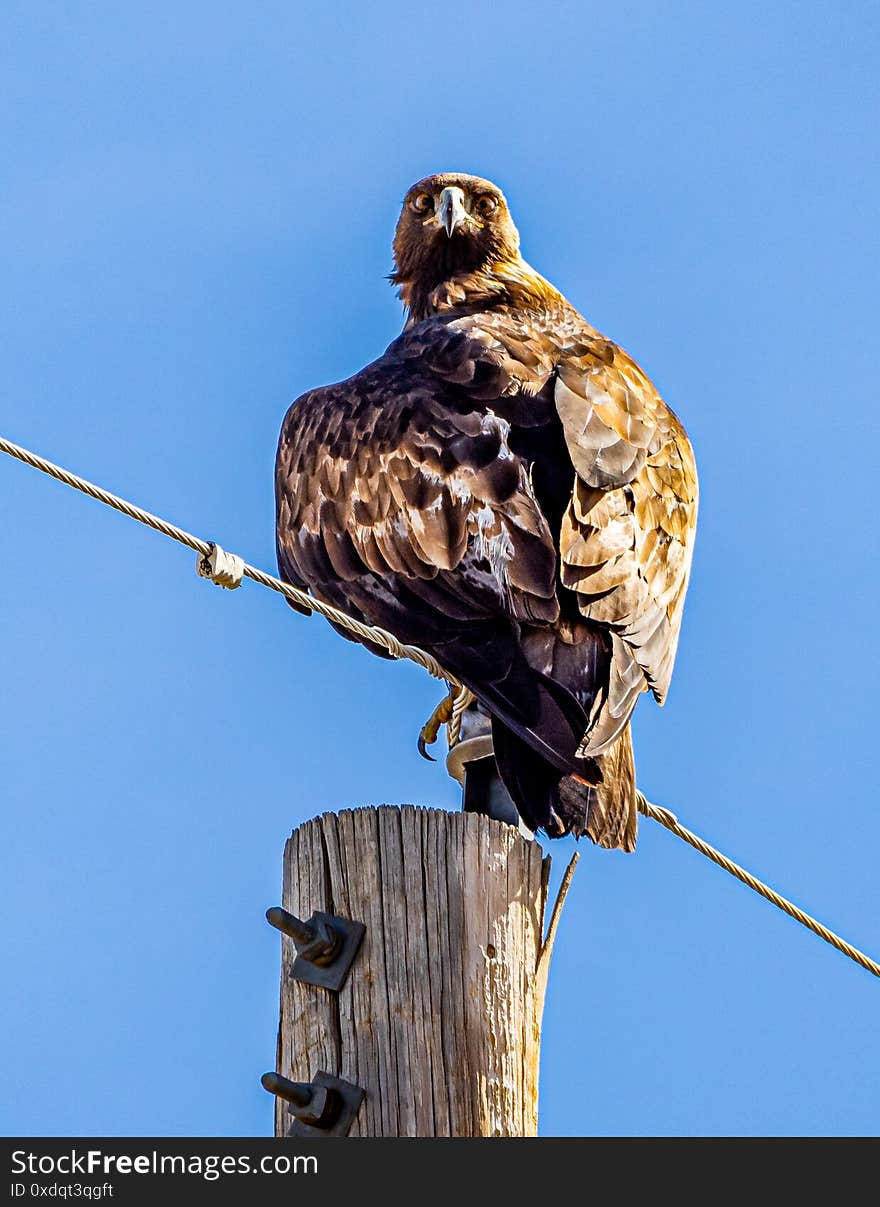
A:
(316, 1105)
(326, 946)
(318, 943)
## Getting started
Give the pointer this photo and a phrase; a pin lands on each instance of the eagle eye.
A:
(423, 203)
(486, 206)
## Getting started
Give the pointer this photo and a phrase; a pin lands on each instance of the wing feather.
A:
(395, 473)
(626, 538)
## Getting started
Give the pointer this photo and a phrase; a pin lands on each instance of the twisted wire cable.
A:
(227, 571)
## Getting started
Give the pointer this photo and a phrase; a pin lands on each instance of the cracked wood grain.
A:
(440, 1018)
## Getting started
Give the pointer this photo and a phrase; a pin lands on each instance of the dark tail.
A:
(540, 712)
(599, 801)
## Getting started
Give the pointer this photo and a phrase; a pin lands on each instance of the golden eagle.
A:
(505, 488)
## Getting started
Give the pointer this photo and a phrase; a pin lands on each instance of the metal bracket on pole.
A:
(326, 1106)
(326, 946)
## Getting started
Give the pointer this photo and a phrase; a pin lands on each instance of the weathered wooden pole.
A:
(439, 1018)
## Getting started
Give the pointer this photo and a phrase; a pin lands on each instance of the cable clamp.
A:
(224, 569)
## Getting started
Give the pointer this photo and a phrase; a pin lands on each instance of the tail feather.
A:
(599, 801)
(532, 782)
(544, 713)
(538, 723)
(612, 815)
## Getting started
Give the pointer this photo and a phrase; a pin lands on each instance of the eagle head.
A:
(451, 225)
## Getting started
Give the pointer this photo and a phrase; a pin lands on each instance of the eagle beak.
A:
(451, 211)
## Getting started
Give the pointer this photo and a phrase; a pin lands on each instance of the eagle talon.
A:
(441, 715)
(423, 748)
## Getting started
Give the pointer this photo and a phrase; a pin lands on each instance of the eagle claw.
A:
(423, 749)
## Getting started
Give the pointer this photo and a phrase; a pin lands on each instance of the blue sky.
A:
(195, 220)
